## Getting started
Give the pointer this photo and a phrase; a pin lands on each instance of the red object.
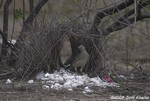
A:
(107, 79)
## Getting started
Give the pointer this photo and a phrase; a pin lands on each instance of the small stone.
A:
(46, 87)
(70, 89)
(31, 81)
(8, 81)
(57, 86)
(88, 90)
(47, 75)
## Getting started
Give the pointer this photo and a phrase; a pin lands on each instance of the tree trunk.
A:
(31, 3)
(26, 27)
(5, 27)
(1, 3)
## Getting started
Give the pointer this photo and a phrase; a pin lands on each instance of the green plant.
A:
(18, 14)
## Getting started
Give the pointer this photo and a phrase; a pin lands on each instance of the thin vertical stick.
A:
(31, 3)
(23, 11)
(14, 20)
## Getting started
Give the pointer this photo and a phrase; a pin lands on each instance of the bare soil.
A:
(22, 91)
(34, 92)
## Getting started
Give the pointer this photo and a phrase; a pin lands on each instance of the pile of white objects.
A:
(65, 80)
(13, 41)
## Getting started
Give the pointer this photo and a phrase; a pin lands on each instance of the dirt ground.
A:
(34, 92)
(22, 91)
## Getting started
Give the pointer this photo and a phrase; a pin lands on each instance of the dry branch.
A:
(124, 21)
(111, 10)
(40, 49)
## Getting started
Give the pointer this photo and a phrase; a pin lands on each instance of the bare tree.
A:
(93, 37)
(26, 26)
(94, 45)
